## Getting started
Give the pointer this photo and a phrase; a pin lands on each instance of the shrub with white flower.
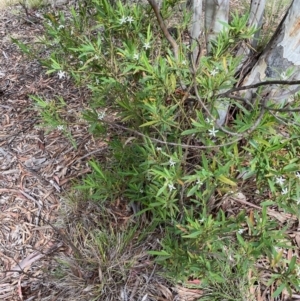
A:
(61, 74)
(171, 186)
(198, 182)
(123, 20)
(101, 115)
(280, 180)
(214, 72)
(213, 132)
(130, 19)
(146, 45)
(241, 231)
(180, 159)
(172, 162)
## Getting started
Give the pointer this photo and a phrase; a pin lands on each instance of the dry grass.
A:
(112, 262)
(6, 3)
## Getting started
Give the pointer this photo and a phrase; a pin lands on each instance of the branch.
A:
(164, 28)
(265, 83)
(282, 110)
(137, 133)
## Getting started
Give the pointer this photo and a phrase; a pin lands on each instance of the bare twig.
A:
(270, 212)
(257, 85)
(91, 153)
(171, 143)
(282, 110)
(211, 116)
(164, 28)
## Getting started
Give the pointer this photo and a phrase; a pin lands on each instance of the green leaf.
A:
(193, 235)
(240, 240)
(279, 290)
(189, 132)
(22, 46)
(159, 253)
(225, 180)
(161, 190)
(292, 264)
(192, 191)
(96, 168)
(149, 123)
(291, 167)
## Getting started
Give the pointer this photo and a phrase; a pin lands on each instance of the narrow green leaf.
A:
(225, 180)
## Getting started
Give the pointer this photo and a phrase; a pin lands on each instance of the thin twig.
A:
(257, 85)
(149, 278)
(92, 153)
(164, 28)
(211, 116)
(282, 110)
(171, 143)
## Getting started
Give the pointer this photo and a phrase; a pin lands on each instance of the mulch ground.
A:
(36, 167)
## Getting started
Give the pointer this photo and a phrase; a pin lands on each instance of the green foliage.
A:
(171, 157)
(51, 117)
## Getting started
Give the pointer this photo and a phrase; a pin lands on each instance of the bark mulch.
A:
(36, 167)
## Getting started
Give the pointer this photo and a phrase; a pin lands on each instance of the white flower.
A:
(214, 72)
(172, 163)
(61, 74)
(209, 121)
(60, 127)
(136, 56)
(130, 19)
(171, 187)
(199, 182)
(184, 62)
(123, 20)
(213, 132)
(280, 181)
(141, 190)
(298, 271)
(101, 115)
(298, 174)
(158, 149)
(60, 27)
(283, 76)
(146, 45)
(284, 191)
(241, 231)
(201, 220)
